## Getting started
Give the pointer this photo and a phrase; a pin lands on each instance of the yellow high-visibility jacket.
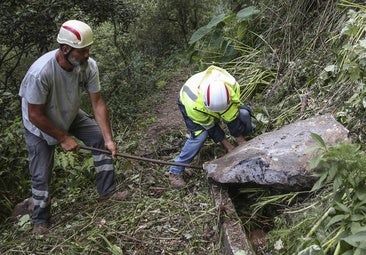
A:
(191, 96)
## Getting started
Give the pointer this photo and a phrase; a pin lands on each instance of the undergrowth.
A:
(331, 220)
(154, 219)
(307, 59)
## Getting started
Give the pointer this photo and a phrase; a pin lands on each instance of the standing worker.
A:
(51, 97)
(204, 100)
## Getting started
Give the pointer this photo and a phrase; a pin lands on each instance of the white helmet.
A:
(216, 96)
(76, 34)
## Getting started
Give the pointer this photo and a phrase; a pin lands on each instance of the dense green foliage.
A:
(293, 59)
(342, 170)
(129, 48)
(308, 48)
(330, 219)
(29, 28)
(306, 59)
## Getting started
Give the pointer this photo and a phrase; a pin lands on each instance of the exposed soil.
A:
(167, 120)
(167, 114)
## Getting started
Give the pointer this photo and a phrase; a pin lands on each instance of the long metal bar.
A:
(125, 155)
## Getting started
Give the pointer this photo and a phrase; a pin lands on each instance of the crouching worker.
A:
(51, 97)
(206, 99)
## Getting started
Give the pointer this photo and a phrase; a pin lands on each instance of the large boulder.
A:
(279, 159)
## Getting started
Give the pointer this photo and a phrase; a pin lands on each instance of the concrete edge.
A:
(234, 239)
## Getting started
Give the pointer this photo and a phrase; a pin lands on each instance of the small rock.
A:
(23, 208)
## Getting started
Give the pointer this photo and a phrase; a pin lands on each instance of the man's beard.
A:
(73, 61)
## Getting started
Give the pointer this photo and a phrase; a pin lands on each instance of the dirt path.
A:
(167, 114)
(168, 120)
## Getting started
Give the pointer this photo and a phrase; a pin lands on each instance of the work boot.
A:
(188, 172)
(41, 229)
(177, 181)
(116, 195)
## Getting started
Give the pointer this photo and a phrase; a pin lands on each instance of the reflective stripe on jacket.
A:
(191, 97)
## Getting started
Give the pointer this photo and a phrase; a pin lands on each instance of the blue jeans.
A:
(241, 126)
(189, 151)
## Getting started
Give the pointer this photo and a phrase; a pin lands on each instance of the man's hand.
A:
(228, 146)
(37, 116)
(240, 139)
(69, 144)
(111, 146)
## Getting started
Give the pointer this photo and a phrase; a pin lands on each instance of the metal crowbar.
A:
(125, 155)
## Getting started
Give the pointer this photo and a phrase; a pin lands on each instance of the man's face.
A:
(78, 57)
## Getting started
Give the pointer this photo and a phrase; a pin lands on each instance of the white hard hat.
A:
(76, 34)
(216, 96)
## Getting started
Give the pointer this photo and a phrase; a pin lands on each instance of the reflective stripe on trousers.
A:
(41, 158)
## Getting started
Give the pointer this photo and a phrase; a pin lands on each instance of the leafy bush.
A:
(217, 40)
(350, 69)
(330, 220)
(72, 173)
(343, 165)
(14, 174)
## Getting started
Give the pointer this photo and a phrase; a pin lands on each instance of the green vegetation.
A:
(293, 59)
(331, 218)
(308, 58)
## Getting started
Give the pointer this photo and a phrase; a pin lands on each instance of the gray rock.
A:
(23, 208)
(279, 159)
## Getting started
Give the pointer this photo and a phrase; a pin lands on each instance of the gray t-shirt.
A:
(47, 83)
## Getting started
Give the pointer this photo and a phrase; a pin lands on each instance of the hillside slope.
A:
(154, 219)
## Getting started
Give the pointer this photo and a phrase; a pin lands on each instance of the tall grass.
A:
(308, 58)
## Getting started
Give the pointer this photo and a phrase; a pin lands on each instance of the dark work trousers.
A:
(41, 159)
